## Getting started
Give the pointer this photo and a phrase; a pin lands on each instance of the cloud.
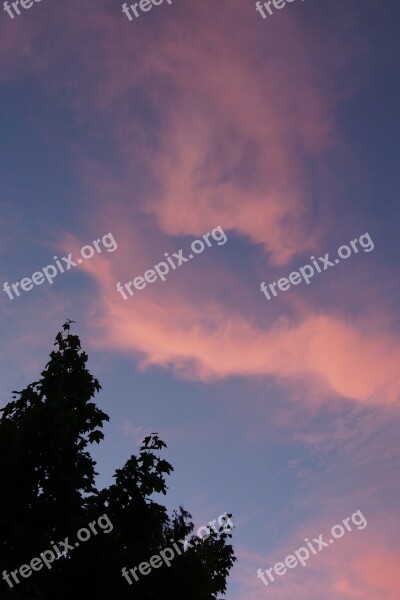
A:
(359, 566)
(231, 145)
(222, 129)
(176, 333)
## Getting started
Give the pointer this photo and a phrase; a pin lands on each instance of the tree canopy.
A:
(48, 493)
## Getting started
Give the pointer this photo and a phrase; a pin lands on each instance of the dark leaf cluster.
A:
(48, 492)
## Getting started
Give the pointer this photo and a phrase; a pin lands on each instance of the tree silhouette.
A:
(48, 494)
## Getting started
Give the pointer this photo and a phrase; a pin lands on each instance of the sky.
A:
(280, 138)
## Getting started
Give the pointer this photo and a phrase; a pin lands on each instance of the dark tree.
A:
(48, 494)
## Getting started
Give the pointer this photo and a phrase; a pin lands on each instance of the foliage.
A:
(48, 492)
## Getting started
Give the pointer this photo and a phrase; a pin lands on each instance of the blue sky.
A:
(285, 133)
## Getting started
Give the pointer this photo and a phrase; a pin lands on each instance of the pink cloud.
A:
(166, 327)
(237, 125)
(359, 566)
(232, 143)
